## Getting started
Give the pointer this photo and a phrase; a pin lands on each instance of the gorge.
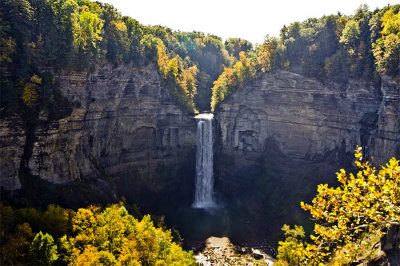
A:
(282, 128)
(100, 114)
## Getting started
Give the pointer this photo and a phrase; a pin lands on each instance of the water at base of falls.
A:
(203, 197)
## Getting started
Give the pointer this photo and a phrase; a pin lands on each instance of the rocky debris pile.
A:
(220, 251)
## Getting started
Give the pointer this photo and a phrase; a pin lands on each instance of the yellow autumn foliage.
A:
(93, 236)
(31, 91)
(350, 219)
(114, 237)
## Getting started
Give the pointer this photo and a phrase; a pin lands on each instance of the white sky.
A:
(246, 19)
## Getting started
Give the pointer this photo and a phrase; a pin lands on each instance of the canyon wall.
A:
(309, 119)
(277, 138)
(124, 124)
(282, 134)
(387, 139)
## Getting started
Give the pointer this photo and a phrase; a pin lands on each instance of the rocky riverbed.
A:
(220, 251)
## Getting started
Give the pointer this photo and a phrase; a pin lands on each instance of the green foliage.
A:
(135, 34)
(117, 42)
(57, 221)
(92, 235)
(333, 47)
(339, 47)
(266, 58)
(236, 45)
(350, 34)
(43, 251)
(179, 79)
(18, 16)
(80, 35)
(309, 43)
(208, 54)
(87, 35)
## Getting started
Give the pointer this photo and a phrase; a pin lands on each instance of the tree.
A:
(117, 42)
(19, 14)
(236, 45)
(31, 91)
(109, 236)
(87, 257)
(266, 55)
(57, 221)
(387, 48)
(83, 226)
(350, 35)
(113, 236)
(43, 251)
(135, 34)
(187, 82)
(64, 250)
(66, 13)
(150, 47)
(87, 34)
(350, 219)
(129, 254)
(16, 246)
(293, 239)
(6, 221)
(7, 49)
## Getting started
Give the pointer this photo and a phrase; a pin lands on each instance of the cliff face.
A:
(124, 125)
(387, 142)
(306, 118)
(12, 142)
(283, 134)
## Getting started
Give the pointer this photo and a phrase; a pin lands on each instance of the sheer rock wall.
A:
(124, 124)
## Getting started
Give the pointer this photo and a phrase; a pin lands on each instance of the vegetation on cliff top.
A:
(334, 47)
(83, 35)
(349, 220)
(89, 236)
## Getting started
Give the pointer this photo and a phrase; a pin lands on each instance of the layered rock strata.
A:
(282, 134)
(309, 119)
(124, 124)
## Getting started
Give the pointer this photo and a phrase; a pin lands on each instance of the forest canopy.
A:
(82, 35)
(196, 68)
(88, 236)
(336, 47)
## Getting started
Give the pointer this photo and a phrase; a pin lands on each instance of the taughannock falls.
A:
(211, 137)
(203, 197)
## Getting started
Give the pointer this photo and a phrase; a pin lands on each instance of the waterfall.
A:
(203, 197)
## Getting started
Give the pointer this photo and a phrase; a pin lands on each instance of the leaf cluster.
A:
(350, 219)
